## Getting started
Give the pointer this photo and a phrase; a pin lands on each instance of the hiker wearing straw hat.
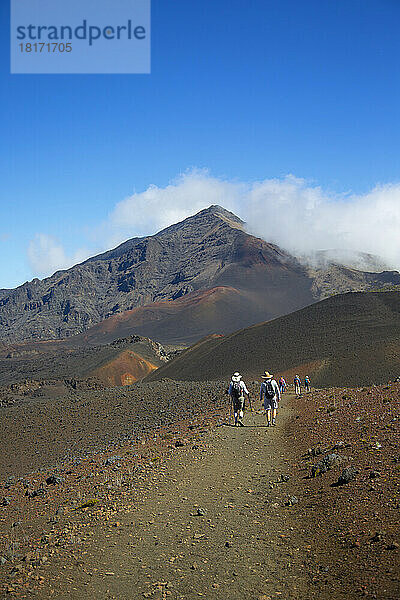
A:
(237, 389)
(270, 392)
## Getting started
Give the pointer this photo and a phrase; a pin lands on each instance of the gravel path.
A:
(236, 547)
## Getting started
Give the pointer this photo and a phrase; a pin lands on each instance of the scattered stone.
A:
(392, 546)
(325, 464)
(284, 477)
(340, 445)
(112, 460)
(348, 474)
(378, 537)
(374, 474)
(2, 560)
(228, 544)
(314, 451)
(5, 502)
(9, 482)
(179, 444)
(35, 493)
(54, 480)
(201, 512)
(291, 501)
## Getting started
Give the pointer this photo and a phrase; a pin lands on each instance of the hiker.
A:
(237, 389)
(297, 385)
(307, 383)
(270, 392)
(282, 385)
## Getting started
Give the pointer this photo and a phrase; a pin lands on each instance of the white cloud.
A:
(290, 212)
(302, 218)
(46, 255)
(155, 208)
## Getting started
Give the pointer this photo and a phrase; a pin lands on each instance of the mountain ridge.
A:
(349, 339)
(208, 250)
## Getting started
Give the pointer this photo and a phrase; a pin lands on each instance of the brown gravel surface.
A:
(44, 432)
(196, 510)
(359, 520)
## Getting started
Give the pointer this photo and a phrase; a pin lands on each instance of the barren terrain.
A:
(350, 339)
(192, 509)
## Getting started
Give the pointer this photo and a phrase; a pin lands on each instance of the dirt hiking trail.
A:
(198, 508)
(211, 522)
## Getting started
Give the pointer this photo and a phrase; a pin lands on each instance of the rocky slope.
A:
(121, 362)
(206, 251)
(349, 339)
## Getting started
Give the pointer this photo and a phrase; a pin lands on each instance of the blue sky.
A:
(251, 91)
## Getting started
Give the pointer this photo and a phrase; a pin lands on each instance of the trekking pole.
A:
(230, 410)
(251, 407)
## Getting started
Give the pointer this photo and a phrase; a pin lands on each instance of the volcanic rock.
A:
(209, 251)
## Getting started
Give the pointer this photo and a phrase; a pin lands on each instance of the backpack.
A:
(269, 390)
(236, 389)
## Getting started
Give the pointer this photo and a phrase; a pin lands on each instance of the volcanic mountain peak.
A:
(195, 225)
(207, 215)
(207, 250)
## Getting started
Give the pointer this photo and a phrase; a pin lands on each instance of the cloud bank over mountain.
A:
(291, 212)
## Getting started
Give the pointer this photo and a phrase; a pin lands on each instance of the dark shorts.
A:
(238, 404)
(270, 404)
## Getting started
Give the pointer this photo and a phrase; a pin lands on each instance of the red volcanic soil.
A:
(174, 321)
(126, 369)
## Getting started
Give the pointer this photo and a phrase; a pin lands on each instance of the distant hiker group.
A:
(297, 384)
(270, 395)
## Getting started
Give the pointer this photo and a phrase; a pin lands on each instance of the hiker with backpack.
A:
(237, 389)
(282, 385)
(297, 385)
(270, 392)
(307, 383)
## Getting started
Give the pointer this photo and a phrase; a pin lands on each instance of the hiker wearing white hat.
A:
(297, 385)
(237, 389)
(270, 392)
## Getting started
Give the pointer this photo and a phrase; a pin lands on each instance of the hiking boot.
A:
(273, 422)
(240, 424)
(268, 424)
